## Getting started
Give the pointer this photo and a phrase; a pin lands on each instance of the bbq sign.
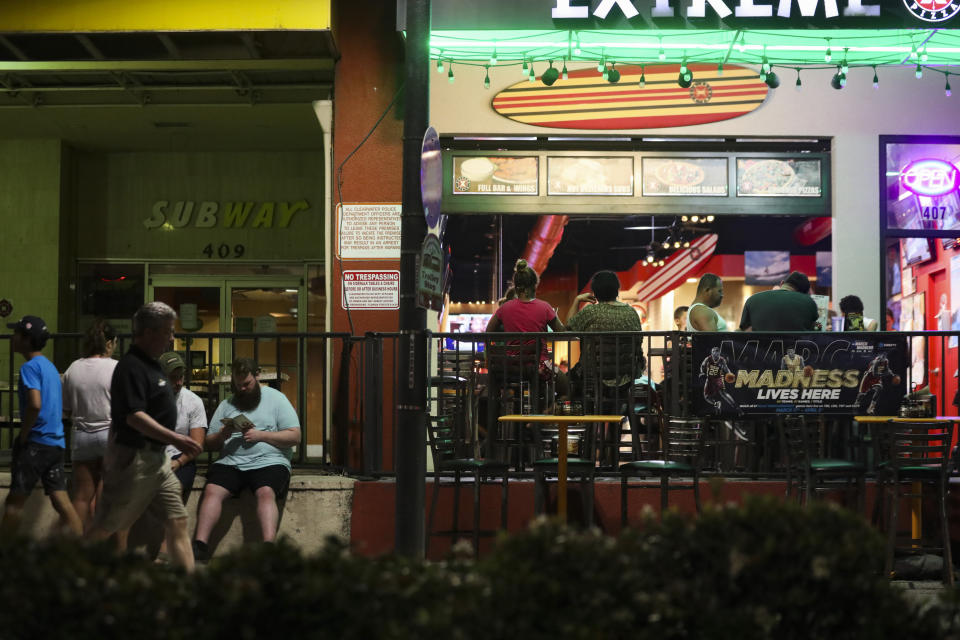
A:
(930, 177)
(837, 374)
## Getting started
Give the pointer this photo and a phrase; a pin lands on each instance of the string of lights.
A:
(934, 50)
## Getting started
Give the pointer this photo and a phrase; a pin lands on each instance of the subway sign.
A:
(930, 177)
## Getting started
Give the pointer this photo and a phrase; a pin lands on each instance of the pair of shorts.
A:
(185, 476)
(135, 481)
(276, 476)
(89, 446)
(32, 462)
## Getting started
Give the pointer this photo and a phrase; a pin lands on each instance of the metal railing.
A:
(343, 387)
(294, 363)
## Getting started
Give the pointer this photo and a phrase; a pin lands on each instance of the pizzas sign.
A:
(933, 10)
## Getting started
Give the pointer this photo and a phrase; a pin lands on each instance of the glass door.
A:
(268, 310)
(199, 307)
(211, 307)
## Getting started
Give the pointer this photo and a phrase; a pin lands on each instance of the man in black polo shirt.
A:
(137, 474)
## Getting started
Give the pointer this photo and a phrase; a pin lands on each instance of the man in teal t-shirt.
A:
(254, 431)
(39, 447)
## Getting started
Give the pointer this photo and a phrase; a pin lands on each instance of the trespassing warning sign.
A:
(369, 289)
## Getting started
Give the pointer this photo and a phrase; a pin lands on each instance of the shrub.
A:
(763, 570)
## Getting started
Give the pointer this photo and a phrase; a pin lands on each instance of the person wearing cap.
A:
(39, 447)
(254, 430)
(787, 308)
(191, 421)
(136, 471)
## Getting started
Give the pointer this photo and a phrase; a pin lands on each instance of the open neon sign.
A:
(930, 177)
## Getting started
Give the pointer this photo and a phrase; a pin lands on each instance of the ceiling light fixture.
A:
(486, 78)
(550, 75)
(613, 76)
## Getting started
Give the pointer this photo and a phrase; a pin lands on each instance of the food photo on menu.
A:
(776, 177)
(590, 176)
(685, 177)
(495, 175)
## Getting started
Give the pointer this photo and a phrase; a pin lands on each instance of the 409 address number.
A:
(224, 250)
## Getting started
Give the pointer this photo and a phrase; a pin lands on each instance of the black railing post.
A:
(372, 404)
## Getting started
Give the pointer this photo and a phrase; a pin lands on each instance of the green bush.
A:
(763, 570)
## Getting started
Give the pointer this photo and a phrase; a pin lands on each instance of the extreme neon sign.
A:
(930, 177)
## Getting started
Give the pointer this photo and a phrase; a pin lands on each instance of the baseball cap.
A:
(31, 326)
(798, 281)
(170, 362)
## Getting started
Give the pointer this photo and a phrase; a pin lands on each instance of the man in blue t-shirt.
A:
(254, 431)
(38, 449)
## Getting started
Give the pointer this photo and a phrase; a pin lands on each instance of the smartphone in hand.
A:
(240, 422)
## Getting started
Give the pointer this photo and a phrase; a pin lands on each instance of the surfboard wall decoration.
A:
(586, 101)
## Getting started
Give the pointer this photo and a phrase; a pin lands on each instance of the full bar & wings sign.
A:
(760, 374)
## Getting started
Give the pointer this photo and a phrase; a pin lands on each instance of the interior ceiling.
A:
(592, 243)
(166, 91)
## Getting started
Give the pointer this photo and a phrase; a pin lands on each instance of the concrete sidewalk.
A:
(318, 505)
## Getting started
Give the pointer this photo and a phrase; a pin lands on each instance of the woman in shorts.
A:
(86, 399)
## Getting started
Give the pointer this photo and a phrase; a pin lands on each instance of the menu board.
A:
(923, 186)
(685, 177)
(496, 175)
(590, 176)
(772, 177)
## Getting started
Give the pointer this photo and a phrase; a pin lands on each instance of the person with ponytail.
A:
(86, 400)
(526, 314)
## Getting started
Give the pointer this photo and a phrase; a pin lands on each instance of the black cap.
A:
(30, 326)
(799, 281)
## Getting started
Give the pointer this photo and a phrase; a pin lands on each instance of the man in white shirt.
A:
(191, 421)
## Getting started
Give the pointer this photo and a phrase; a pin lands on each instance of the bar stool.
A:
(451, 457)
(814, 473)
(515, 387)
(679, 457)
(915, 454)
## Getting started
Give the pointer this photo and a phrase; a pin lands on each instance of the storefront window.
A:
(922, 181)
(109, 290)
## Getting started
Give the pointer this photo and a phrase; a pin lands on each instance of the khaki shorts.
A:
(135, 481)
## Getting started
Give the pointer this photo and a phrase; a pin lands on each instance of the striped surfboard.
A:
(677, 268)
(586, 101)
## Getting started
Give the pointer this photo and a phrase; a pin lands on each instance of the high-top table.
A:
(916, 504)
(562, 423)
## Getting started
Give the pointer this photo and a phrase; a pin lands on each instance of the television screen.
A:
(917, 250)
(467, 323)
